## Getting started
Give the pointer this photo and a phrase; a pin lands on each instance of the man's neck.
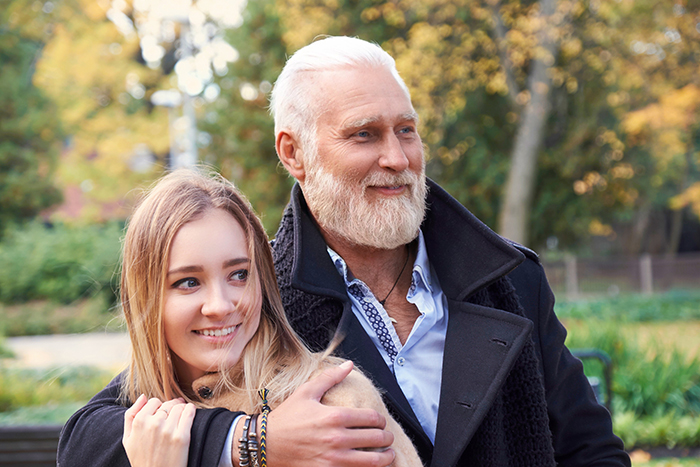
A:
(386, 272)
(376, 267)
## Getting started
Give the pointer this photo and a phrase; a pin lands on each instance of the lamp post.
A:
(201, 46)
(183, 129)
(171, 99)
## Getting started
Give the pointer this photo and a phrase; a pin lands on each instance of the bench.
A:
(29, 446)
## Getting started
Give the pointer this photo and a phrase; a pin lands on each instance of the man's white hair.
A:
(293, 104)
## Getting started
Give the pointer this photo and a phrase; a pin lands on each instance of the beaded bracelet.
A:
(243, 454)
(253, 441)
(263, 427)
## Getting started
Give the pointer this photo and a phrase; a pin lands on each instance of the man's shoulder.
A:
(530, 254)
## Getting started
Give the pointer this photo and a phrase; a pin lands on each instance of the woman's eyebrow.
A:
(196, 268)
(185, 269)
(236, 261)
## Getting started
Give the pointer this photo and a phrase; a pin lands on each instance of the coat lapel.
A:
(358, 347)
(481, 347)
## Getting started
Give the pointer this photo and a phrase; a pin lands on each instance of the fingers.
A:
(159, 433)
(351, 417)
(361, 458)
(187, 417)
(167, 406)
(131, 413)
(316, 387)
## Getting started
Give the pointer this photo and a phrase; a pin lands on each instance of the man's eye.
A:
(363, 134)
(240, 275)
(186, 283)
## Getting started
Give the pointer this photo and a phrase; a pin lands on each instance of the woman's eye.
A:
(186, 283)
(240, 275)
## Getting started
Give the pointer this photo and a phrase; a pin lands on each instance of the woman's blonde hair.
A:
(180, 197)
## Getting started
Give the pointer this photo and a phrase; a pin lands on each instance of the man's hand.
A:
(304, 432)
(158, 434)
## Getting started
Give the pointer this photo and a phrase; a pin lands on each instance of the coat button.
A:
(205, 393)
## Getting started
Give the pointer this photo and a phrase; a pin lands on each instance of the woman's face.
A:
(208, 316)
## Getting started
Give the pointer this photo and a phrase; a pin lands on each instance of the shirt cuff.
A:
(225, 460)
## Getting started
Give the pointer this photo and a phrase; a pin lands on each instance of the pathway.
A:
(104, 350)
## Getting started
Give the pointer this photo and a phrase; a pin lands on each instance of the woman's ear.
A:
(290, 154)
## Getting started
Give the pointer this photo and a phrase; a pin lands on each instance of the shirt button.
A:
(400, 361)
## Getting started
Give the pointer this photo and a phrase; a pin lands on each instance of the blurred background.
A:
(569, 126)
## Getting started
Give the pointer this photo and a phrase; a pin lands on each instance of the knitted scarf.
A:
(515, 432)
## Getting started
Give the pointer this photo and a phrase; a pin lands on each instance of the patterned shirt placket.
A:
(375, 320)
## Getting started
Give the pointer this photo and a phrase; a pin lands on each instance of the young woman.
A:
(200, 297)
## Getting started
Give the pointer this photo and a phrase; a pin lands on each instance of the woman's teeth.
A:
(217, 332)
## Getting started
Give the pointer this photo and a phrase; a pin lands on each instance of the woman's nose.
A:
(219, 302)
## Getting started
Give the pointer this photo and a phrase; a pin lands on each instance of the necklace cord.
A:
(397, 279)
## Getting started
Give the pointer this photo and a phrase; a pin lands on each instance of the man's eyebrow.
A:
(352, 125)
(412, 116)
(355, 124)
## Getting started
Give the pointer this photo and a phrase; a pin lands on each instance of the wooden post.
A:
(645, 274)
(571, 277)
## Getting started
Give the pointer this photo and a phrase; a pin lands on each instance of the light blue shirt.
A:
(418, 363)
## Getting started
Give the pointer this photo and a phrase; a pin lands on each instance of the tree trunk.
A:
(677, 215)
(520, 185)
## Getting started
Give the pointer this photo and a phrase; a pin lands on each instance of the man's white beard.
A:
(340, 206)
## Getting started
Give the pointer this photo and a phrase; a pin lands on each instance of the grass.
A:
(658, 337)
(666, 462)
(683, 335)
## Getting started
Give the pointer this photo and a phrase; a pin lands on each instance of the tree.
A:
(30, 133)
(243, 140)
(491, 78)
(103, 101)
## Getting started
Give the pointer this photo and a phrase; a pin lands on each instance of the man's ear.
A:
(290, 154)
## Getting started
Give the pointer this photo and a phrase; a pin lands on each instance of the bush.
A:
(60, 263)
(44, 317)
(652, 381)
(670, 306)
(25, 388)
(49, 414)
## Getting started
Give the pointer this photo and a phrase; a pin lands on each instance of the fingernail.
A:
(346, 364)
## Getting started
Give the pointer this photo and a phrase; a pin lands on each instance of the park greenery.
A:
(581, 113)
(567, 119)
(656, 383)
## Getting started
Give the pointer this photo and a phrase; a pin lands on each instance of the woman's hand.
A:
(158, 434)
(304, 432)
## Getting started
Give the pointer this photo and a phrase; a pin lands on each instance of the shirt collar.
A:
(421, 267)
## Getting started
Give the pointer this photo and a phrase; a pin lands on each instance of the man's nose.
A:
(392, 155)
(219, 302)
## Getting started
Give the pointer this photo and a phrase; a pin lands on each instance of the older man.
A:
(452, 322)
(463, 341)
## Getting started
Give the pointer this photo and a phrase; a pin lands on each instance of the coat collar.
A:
(450, 231)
